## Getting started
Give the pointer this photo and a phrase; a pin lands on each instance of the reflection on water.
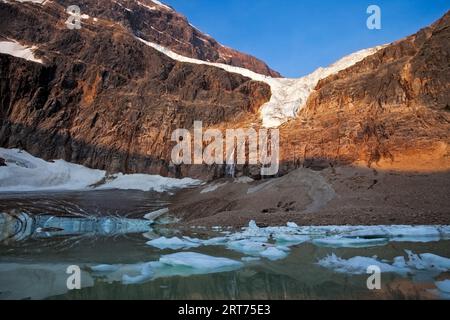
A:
(43, 235)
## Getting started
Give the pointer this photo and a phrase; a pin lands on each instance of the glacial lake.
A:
(102, 232)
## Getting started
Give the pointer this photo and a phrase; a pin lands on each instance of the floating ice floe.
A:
(346, 242)
(199, 261)
(413, 264)
(275, 253)
(173, 243)
(177, 264)
(358, 265)
(273, 242)
(443, 286)
(23, 172)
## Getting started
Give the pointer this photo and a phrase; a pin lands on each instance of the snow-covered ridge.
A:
(157, 5)
(32, 1)
(15, 49)
(23, 172)
(289, 96)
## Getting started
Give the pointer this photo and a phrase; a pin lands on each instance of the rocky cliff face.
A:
(104, 99)
(156, 22)
(392, 108)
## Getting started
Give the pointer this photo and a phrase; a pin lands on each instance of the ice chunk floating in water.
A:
(15, 49)
(414, 263)
(177, 264)
(273, 243)
(199, 261)
(173, 243)
(358, 265)
(23, 172)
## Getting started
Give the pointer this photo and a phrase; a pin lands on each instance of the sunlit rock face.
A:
(392, 108)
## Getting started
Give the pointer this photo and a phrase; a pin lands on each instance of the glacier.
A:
(289, 96)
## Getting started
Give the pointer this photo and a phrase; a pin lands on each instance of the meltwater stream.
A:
(123, 256)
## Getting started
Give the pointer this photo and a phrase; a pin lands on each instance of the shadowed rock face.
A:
(392, 106)
(163, 25)
(104, 99)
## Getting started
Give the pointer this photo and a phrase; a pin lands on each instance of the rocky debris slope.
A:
(342, 195)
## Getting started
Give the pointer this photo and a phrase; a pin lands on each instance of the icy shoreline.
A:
(24, 172)
(276, 243)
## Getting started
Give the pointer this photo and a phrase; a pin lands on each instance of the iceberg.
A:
(264, 242)
(173, 243)
(358, 265)
(274, 253)
(200, 261)
(344, 242)
(14, 48)
(427, 261)
(177, 264)
(415, 263)
(249, 247)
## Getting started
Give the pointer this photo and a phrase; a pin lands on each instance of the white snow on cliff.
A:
(289, 96)
(32, 1)
(23, 172)
(15, 49)
(157, 4)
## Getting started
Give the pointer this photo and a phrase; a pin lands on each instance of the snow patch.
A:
(32, 1)
(27, 173)
(15, 49)
(146, 182)
(157, 5)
